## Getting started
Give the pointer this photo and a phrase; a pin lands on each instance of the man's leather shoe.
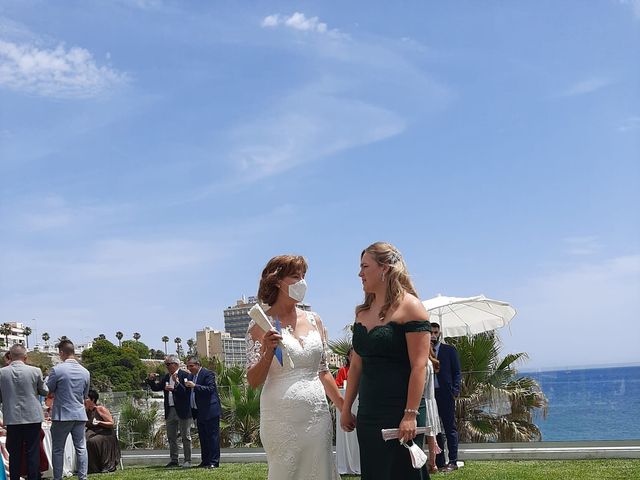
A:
(171, 465)
(449, 468)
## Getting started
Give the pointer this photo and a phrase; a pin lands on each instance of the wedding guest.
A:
(343, 372)
(433, 419)
(295, 424)
(69, 383)
(177, 410)
(447, 388)
(103, 448)
(389, 366)
(202, 391)
(20, 385)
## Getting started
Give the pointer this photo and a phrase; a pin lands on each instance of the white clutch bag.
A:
(257, 315)
(394, 433)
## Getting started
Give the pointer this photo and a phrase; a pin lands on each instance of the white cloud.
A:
(54, 213)
(309, 125)
(58, 73)
(629, 124)
(582, 245)
(579, 315)
(635, 7)
(584, 87)
(297, 21)
(271, 21)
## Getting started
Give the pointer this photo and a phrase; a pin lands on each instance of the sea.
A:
(590, 404)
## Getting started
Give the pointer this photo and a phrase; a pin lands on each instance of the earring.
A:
(382, 276)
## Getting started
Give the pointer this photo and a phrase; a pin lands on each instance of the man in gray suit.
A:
(20, 386)
(69, 383)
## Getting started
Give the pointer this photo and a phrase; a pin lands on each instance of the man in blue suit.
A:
(205, 408)
(69, 383)
(447, 388)
(177, 409)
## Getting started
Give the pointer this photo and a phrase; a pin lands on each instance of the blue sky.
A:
(155, 154)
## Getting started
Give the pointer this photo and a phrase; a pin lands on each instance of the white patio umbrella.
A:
(468, 316)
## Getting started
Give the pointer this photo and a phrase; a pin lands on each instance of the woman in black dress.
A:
(391, 339)
(102, 443)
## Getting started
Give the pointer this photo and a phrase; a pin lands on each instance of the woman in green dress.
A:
(391, 339)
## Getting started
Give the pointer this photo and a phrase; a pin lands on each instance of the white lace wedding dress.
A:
(295, 423)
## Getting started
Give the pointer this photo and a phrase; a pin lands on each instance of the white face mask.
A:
(297, 290)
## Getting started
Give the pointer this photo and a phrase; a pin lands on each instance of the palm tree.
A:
(495, 405)
(240, 422)
(165, 339)
(5, 329)
(61, 338)
(27, 332)
(45, 338)
(102, 336)
(191, 343)
(178, 341)
(340, 347)
(119, 336)
(136, 336)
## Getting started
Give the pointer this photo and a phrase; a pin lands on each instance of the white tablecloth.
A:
(347, 449)
(69, 465)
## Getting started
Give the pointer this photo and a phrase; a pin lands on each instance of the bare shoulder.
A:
(411, 309)
(102, 410)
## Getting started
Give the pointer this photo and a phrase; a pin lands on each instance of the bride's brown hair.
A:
(276, 269)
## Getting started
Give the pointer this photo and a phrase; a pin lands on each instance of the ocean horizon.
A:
(599, 403)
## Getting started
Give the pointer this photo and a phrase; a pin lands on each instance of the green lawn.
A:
(476, 470)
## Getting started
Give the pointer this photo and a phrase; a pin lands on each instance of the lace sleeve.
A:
(254, 347)
(316, 322)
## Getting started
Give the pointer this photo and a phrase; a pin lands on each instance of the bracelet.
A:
(410, 410)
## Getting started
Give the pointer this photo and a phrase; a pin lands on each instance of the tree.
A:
(61, 338)
(41, 360)
(191, 343)
(240, 403)
(495, 405)
(45, 338)
(5, 329)
(113, 368)
(27, 332)
(119, 336)
(165, 339)
(138, 347)
(178, 342)
(136, 336)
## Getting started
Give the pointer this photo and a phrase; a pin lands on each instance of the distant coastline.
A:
(578, 367)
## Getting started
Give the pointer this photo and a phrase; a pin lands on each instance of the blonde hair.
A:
(396, 278)
(276, 269)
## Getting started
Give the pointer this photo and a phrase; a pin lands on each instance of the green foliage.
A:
(341, 346)
(495, 405)
(609, 469)
(113, 368)
(240, 422)
(140, 348)
(41, 360)
(137, 424)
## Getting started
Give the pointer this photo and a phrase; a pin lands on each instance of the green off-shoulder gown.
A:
(382, 399)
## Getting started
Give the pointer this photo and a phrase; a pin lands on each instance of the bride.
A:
(295, 423)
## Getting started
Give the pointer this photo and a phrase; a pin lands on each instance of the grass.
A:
(610, 469)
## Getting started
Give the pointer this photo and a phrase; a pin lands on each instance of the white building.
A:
(221, 345)
(16, 336)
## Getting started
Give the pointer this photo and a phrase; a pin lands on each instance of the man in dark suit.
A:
(177, 409)
(205, 408)
(447, 388)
